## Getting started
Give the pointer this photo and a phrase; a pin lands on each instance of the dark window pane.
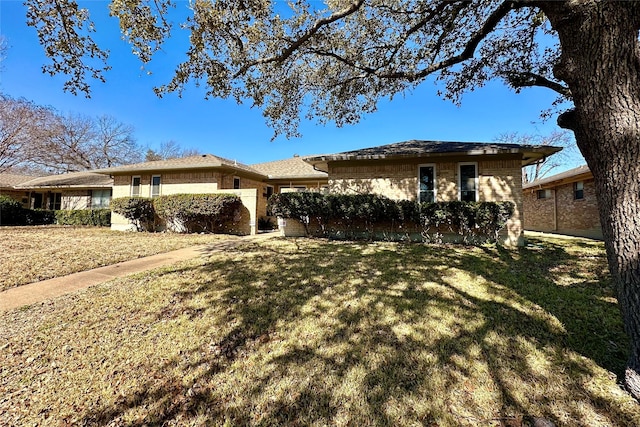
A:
(427, 184)
(468, 183)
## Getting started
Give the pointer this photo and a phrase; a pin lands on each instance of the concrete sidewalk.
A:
(47, 289)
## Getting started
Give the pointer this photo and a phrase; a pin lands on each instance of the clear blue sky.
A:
(226, 129)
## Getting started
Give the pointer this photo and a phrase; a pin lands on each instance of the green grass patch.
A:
(310, 332)
(31, 254)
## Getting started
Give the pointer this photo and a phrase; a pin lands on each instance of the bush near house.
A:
(93, 217)
(197, 212)
(344, 215)
(11, 212)
(138, 210)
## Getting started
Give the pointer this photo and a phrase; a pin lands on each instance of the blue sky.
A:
(226, 129)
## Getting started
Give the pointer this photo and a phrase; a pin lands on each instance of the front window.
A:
(468, 174)
(55, 201)
(135, 186)
(100, 199)
(578, 190)
(426, 184)
(236, 183)
(155, 186)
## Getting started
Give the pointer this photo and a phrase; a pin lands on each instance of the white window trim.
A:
(476, 179)
(139, 186)
(151, 186)
(435, 181)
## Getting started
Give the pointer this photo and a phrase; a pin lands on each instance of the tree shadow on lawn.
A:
(314, 332)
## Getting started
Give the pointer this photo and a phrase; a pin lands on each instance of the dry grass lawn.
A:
(31, 254)
(309, 332)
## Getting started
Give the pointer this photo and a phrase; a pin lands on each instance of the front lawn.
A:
(31, 254)
(309, 332)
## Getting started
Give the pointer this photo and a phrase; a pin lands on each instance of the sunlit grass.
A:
(304, 332)
(30, 254)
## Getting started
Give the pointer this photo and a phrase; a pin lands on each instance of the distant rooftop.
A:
(571, 174)
(9, 180)
(69, 180)
(420, 148)
(203, 161)
(290, 168)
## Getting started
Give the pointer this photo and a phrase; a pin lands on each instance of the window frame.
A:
(546, 192)
(133, 186)
(435, 180)
(237, 179)
(102, 198)
(153, 196)
(577, 191)
(476, 180)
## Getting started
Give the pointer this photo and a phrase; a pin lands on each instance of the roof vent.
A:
(296, 155)
(204, 155)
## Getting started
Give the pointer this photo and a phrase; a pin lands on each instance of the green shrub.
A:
(11, 212)
(198, 212)
(39, 217)
(93, 217)
(475, 222)
(138, 210)
(265, 223)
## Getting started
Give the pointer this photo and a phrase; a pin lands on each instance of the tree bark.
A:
(600, 62)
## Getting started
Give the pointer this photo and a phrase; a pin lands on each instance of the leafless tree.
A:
(170, 150)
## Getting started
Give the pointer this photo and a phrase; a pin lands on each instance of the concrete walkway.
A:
(47, 289)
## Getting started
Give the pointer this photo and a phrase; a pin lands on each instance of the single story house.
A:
(564, 203)
(211, 174)
(8, 182)
(69, 191)
(437, 171)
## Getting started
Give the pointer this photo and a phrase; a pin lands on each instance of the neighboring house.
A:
(212, 174)
(69, 191)
(436, 171)
(8, 181)
(564, 203)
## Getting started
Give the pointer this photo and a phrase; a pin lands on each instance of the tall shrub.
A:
(138, 210)
(11, 212)
(197, 212)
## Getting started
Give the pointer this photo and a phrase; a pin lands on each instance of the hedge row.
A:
(181, 212)
(12, 213)
(341, 214)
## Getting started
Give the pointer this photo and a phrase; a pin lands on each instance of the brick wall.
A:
(498, 180)
(562, 213)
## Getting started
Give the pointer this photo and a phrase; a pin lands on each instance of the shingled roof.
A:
(203, 161)
(571, 175)
(419, 148)
(10, 180)
(292, 168)
(69, 180)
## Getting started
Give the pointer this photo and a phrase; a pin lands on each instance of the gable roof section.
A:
(69, 180)
(292, 168)
(420, 148)
(572, 175)
(204, 161)
(10, 180)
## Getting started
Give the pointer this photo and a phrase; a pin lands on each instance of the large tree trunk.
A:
(600, 63)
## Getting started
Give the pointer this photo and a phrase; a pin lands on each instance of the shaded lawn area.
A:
(31, 254)
(309, 332)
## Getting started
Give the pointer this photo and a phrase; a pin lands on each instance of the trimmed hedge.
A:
(138, 210)
(342, 214)
(11, 212)
(197, 212)
(93, 217)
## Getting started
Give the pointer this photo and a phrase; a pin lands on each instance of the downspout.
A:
(555, 210)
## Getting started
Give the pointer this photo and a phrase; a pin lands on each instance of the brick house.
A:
(437, 171)
(564, 203)
(69, 191)
(209, 174)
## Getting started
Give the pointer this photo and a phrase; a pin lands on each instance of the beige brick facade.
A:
(561, 212)
(498, 180)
